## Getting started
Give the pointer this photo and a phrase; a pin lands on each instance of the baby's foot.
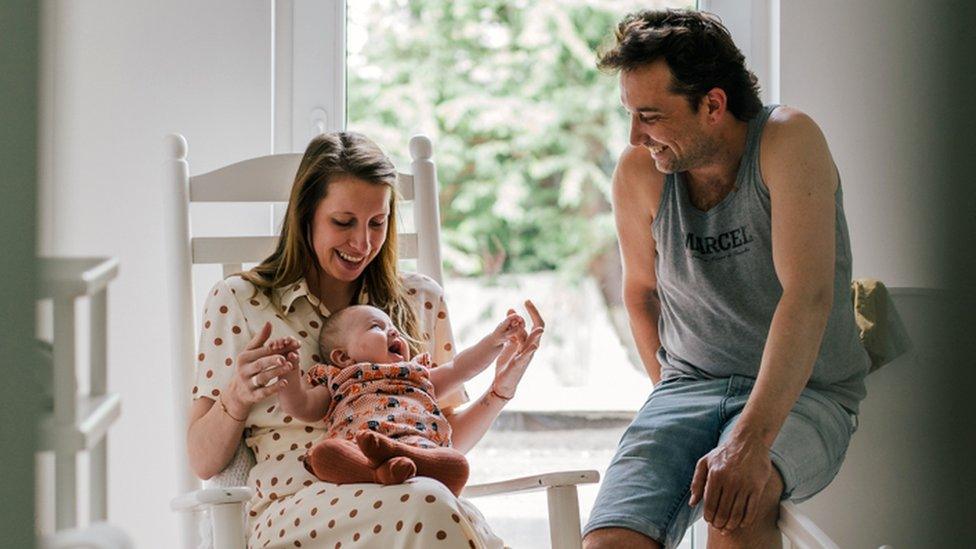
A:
(376, 447)
(395, 470)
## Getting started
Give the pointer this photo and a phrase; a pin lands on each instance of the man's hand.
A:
(731, 479)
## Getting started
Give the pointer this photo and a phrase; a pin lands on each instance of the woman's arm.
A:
(212, 439)
(215, 430)
(470, 425)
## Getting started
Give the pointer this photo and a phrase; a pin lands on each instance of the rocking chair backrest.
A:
(266, 179)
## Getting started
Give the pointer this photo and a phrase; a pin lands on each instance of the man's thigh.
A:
(810, 447)
(646, 486)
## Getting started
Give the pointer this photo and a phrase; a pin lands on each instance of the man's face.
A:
(372, 337)
(663, 121)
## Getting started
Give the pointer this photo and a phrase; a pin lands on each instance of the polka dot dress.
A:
(291, 508)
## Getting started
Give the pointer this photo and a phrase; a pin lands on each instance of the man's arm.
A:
(637, 189)
(801, 177)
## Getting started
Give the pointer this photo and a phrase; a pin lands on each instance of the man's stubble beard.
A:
(701, 151)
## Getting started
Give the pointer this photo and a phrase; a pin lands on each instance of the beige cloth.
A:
(879, 325)
(291, 508)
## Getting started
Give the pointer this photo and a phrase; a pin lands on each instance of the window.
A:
(526, 134)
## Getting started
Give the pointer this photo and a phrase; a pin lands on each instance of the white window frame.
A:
(308, 71)
(754, 25)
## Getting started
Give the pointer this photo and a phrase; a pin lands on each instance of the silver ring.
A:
(254, 382)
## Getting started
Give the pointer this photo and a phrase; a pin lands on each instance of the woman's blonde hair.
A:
(327, 157)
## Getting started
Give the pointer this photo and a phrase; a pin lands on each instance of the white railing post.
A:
(65, 389)
(98, 386)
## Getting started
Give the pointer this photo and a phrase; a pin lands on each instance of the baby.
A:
(380, 403)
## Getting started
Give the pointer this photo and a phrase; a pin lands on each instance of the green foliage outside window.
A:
(526, 130)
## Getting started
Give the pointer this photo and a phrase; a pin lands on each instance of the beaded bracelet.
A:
(226, 411)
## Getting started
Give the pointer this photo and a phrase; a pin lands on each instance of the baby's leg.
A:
(342, 462)
(444, 464)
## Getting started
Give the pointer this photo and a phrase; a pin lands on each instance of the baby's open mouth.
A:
(397, 348)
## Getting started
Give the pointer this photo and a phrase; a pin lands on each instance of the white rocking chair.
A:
(268, 179)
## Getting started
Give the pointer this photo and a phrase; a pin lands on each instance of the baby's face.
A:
(372, 337)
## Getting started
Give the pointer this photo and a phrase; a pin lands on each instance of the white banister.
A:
(79, 421)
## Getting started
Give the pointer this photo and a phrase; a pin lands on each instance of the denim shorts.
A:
(647, 484)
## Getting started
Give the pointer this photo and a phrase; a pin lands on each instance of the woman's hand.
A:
(517, 354)
(508, 330)
(258, 364)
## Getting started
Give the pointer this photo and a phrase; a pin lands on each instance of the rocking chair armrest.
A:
(207, 497)
(532, 483)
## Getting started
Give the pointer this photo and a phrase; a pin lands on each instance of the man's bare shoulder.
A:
(788, 126)
(792, 143)
(637, 183)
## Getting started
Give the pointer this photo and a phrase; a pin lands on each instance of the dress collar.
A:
(299, 289)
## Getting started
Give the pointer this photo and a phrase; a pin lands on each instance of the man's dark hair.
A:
(697, 48)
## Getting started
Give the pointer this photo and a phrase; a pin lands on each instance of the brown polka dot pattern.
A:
(281, 518)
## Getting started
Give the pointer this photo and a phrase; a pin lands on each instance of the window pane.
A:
(526, 134)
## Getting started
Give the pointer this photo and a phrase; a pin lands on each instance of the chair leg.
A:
(564, 518)
(228, 526)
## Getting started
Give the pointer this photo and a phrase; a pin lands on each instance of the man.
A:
(737, 271)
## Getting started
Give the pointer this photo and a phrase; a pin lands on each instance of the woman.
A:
(337, 248)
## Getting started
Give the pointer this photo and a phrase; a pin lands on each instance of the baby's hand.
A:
(284, 345)
(510, 329)
(287, 347)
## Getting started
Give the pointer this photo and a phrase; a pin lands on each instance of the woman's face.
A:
(349, 226)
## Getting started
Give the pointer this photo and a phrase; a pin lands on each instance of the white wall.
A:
(120, 75)
(864, 71)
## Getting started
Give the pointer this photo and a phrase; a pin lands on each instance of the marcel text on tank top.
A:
(729, 241)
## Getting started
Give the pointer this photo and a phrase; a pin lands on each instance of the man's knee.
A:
(763, 529)
(618, 538)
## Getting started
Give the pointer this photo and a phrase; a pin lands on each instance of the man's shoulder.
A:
(792, 143)
(637, 180)
(787, 125)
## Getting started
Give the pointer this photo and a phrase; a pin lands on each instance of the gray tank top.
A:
(718, 288)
